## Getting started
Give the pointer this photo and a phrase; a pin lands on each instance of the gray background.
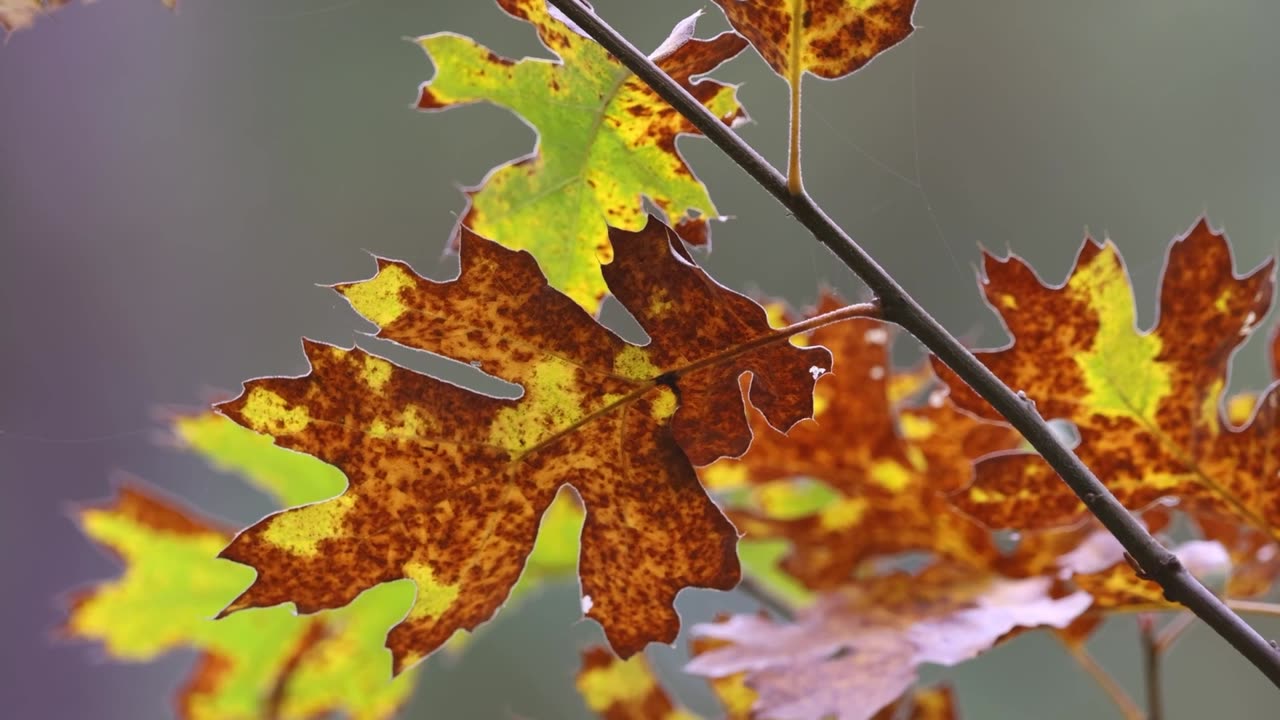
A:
(173, 186)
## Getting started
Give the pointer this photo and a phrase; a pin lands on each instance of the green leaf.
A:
(256, 664)
(604, 141)
(290, 478)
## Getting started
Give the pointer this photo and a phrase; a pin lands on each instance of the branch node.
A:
(894, 310)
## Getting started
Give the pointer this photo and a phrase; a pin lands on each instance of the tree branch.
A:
(899, 307)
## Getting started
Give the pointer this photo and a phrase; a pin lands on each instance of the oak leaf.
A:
(1147, 404)
(887, 467)
(266, 663)
(629, 690)
(446, 485)
(605, 140)
(858, 648)
(1254, 553)
(291, 478)
(829, 38)
(1090, 559)
(617, 689)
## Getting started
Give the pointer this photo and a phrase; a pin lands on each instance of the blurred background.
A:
(174, 185)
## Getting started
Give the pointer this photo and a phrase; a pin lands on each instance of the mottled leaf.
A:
(1255, 558)
(858, 648)
(266, 663)
(625, 689)
(605, 140)
(293, 478)
(829, 38)
(1147, 404)
(447, 485)
(886, 468)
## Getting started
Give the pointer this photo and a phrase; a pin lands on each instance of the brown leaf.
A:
(889, 467)
(835, 37)
(1147, 404)
(447, 485)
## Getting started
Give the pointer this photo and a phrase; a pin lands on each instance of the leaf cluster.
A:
(865, 502)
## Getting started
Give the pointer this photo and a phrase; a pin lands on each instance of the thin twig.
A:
(1128, 708)
(1254, 606)
(1151, 665)
(767, 598)
(1171, 633)
(899, 307)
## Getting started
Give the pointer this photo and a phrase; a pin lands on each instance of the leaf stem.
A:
(899, 307)
(1151, 657)
(848, 312)
(1128, 708)
(795, 185)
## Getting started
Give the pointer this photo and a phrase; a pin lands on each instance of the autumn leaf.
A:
(886, 468)
(617, 689)
(1147, 404)
(1121, 587)
(1090, 559)
(605, 141)
(21, 14)
(288, 478)
(266, 663)
(629, 690)
(1254, 553)
(829, 38)
(936, 703)
(736, 698)
(858, 649)
(446, 485)
(291, 478)
(1255, 558)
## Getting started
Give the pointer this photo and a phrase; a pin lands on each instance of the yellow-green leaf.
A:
(290, 478)
(604, 141)
(256, 664)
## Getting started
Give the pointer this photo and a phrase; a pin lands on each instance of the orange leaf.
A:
(446, 486)
(890, 468)
(624, 689)
(1147, 404)
(829, 38)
